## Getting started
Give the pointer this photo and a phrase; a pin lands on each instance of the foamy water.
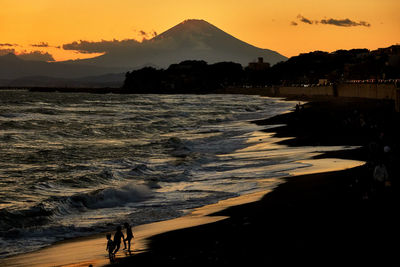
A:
(77, 164)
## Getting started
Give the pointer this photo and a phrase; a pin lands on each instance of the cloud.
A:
(41, 44)
(335, 22)
(304, 20)
(7, 44)
(25, 55)
(344, 22)
(36, 56)
(146, 35)
(102, 46)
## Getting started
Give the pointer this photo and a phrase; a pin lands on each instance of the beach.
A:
(319, 219)
(318, 216)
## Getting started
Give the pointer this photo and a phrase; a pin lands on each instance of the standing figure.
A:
(110, 247)
(117, 239)
(129, 235)
(381, 179)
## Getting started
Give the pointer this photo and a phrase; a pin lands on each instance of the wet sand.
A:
(91, 250)
(314, 219)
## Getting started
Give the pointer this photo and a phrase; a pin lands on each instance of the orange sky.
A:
(263, 23)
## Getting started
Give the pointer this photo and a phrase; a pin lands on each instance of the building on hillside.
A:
(259, 65)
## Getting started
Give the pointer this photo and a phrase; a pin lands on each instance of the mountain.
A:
(204, 41)
(189, 40)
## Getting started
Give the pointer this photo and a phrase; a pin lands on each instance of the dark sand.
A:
(319, 219)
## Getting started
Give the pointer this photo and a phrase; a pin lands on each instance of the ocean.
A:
(75, 164)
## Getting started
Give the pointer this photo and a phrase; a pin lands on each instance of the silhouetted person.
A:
(110, 247)
(129, 236)
(381, 177)
(117, 239)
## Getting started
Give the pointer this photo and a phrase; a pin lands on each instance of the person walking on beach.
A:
(129, 236)
(117, 239)
(110, 247)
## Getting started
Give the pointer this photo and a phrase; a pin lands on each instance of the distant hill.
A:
(340, 65)
(12, 67)
(189, 40)
(100, 81)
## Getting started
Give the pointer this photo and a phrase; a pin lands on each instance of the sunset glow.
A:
(289, 27)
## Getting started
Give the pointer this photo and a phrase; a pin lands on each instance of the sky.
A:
(40, 28)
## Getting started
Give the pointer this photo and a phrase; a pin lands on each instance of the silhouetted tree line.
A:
(199, 77)
(189, 76)
(355, 64)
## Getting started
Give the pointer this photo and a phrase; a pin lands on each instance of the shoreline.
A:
(318, 219)
(83, 251)
(161, 244)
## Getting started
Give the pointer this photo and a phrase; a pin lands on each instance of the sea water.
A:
(74, 164)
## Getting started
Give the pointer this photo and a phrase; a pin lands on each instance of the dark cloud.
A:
(344, 23)
(41, 44)
(100, 47)
(147, 35)
(33, 55)
(36, 56)
(304, 20)
(331, 21)
(7, 44)
(293, 23)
